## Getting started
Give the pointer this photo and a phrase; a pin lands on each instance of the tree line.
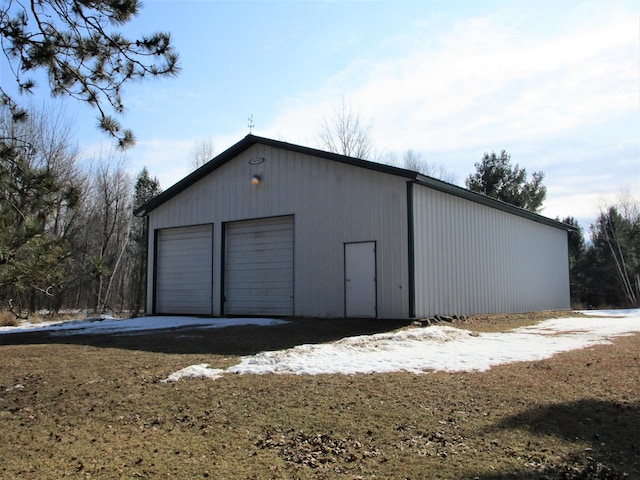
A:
(67, 234)
(605, 272)
(68, 237)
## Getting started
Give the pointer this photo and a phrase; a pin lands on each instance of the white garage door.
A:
(258, 273)
(184, 270)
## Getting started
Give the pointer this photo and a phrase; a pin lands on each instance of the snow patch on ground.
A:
(416, 350)
(443, 348)
(202, 370)
(115, 326)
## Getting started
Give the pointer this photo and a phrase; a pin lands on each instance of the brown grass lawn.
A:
(94, 407)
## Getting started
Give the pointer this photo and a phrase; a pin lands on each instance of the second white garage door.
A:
(258, 276)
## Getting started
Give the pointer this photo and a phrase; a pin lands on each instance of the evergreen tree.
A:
(577, 251)
(33, 258)
(496, 177)
(78, 47)
(615, 254)
(146, 188)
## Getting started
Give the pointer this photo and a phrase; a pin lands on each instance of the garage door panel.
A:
(256, 274)
(272, 294)
(259, 267)
(184, 270)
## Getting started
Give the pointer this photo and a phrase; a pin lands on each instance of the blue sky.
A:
(555, 83)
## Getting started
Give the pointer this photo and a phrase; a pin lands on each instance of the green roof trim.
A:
(415, 177)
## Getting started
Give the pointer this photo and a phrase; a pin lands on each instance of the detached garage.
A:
(272, 228)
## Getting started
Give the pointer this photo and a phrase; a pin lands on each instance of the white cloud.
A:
(497, 81)
(556, 88)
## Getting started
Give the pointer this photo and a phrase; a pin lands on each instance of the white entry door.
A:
(360, 279)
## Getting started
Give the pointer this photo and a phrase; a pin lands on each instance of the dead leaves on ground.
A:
(322, 451)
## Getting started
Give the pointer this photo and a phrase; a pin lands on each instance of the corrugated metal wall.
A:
(471, 258)
(333, 204)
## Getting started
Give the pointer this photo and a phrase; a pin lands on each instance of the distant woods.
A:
(606, 271)
(67, 234)
(68, 238)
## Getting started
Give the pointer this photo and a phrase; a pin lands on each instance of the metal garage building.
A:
(272, 228)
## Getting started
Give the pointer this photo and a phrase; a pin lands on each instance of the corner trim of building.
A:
(411, 251)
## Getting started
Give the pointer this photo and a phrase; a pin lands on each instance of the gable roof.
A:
(410, 175)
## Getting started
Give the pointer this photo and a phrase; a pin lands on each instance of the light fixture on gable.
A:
(255, 180)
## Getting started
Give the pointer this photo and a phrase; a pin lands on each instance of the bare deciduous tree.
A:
(201, 153)
(414, 161)
(109, 209)
(67, 234)
(346, 133)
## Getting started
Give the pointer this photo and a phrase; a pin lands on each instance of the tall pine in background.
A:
(146, 188)
(496, 177)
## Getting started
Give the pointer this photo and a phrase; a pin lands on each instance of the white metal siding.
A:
(470, 258)
(184, 270)
(259, 267)
(333, 204)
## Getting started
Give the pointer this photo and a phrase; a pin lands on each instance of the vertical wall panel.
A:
(474, 259)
